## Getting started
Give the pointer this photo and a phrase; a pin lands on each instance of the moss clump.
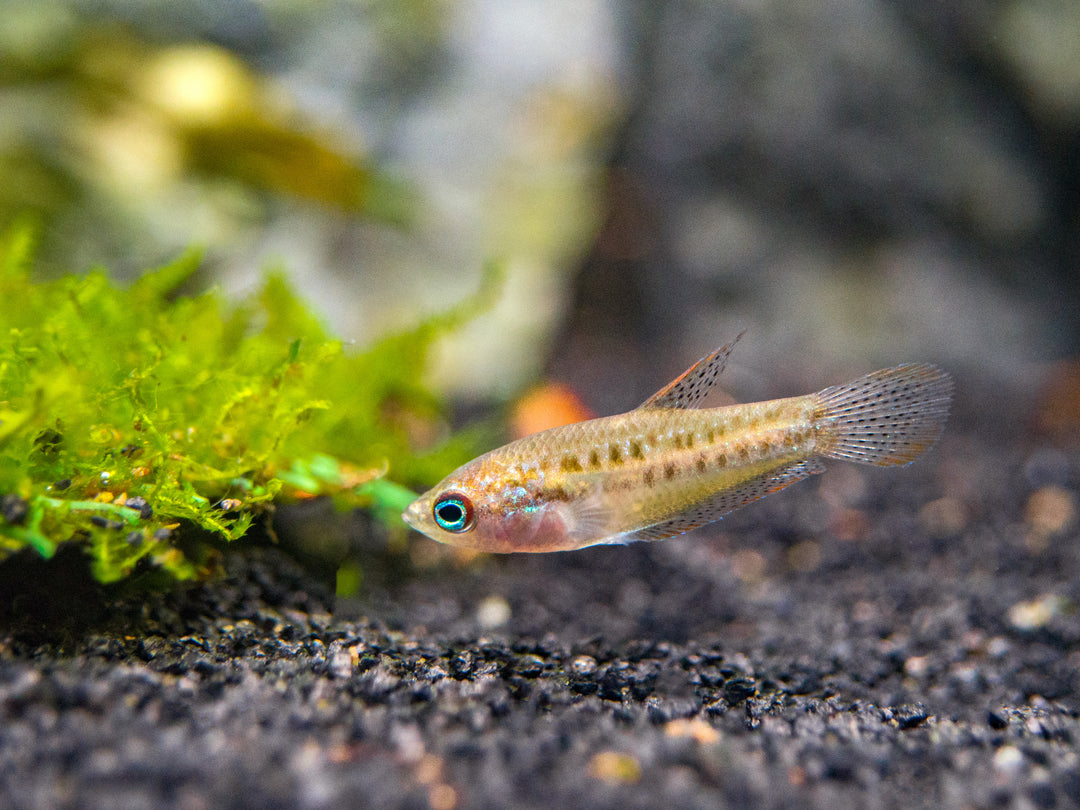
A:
(126, 412)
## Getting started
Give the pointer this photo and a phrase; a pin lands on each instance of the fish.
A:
(670, 465)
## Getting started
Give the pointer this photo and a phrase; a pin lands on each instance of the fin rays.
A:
(887, 418)
(720, 504)
(689, 388)
(636, 463)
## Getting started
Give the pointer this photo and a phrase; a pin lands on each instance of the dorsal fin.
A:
(689, 388)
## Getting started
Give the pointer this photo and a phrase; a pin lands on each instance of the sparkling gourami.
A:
(670, 466)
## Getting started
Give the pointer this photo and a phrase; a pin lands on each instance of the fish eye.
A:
(454, 512)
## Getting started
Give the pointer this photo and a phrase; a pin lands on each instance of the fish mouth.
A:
(412, 515)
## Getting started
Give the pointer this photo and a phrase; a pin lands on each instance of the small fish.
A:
(670, 466)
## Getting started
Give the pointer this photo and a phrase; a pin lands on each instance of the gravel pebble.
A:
(878, 678)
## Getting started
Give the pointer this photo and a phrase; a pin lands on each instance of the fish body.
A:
(669, 466)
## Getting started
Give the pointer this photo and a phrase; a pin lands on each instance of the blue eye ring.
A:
(453, 512)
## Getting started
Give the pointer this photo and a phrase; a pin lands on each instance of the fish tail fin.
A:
(887, 418)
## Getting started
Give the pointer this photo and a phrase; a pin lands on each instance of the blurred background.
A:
(855, 183)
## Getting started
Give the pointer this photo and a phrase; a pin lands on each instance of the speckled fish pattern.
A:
(670, 466)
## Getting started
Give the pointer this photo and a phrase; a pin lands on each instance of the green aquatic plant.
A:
(129, 412)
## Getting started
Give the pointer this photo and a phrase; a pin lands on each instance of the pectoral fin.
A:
(587, 519)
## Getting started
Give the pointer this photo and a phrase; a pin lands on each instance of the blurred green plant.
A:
(126, 412)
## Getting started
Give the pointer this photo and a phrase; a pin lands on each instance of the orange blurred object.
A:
(1058, 411)
(547, 406)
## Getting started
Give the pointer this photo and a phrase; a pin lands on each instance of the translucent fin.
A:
(587, 518)
(689, 388)
(727, 501)
(888, 417)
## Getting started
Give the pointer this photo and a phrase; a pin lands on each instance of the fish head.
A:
(490, 506)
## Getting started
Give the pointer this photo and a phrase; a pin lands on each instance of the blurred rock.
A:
(1038, 40)
(857, 183)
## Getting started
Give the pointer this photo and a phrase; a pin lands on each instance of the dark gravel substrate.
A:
(841, 645)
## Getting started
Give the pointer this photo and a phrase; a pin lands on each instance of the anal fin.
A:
(729, 500)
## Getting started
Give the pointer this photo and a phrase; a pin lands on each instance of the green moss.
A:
(127, 412)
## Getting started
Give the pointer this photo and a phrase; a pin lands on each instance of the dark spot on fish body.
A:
(721, 460)
(594, 460)
(710, 437)
(798, 435)
(648, 477)
(614, 454)
(555, 493)
(701, 464)
(618, 483)
(571, 464)
(635, 451)
(669, 471)
(678, 439)
(689, 441)
(744, 453)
